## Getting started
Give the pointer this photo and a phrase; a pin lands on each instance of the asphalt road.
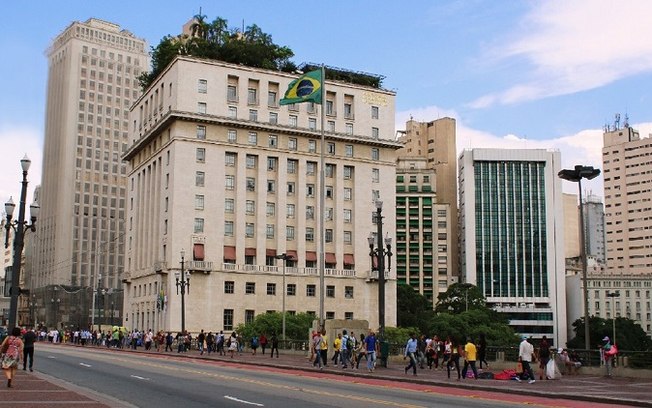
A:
(146, 381)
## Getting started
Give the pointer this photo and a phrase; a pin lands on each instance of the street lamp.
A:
(285, 257)
(32, 306)
(613, 295)
(576, 175)
(55, 308)
(18, 226)
(379, 254)
(183, 282)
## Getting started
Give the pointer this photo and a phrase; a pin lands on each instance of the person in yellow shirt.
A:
(324, 347)
(337, 345)
(470, 353)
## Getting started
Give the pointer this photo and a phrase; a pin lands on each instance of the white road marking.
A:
(51, 357)
(85, 365)
(140, 378)
(243, 401)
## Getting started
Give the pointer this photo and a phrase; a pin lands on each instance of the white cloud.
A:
(15, 143)
(583, 147)
(574, 46)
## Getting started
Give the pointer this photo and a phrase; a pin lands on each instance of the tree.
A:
(630, 336)
(413, 309)
(460, 297)
(296, 326)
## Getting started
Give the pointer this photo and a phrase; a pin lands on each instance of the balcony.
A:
(290, 270)
(199, 266)
(373, 276)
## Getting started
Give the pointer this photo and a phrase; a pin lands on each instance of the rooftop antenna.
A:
(626, 124)
(617, 122)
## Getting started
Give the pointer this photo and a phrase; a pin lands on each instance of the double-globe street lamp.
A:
(183, 283)
(285, 257)
(378, 254)
(19, 238)
(576, 175)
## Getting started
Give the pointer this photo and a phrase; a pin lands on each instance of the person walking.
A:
(525, 352)
(361, 351)
(470, 357)
(316, 345)
(12, 348)
(453, 357)
(482, 351)
(28, 349)
(274, 340)
(411, 351)
(337, 345)
(324, 348)
(544, 357)
(263, 343)
(371, 345)
(201, 337)
(608, 352)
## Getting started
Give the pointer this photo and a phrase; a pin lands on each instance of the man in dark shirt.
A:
(28, 348)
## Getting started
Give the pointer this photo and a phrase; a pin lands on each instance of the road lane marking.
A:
(139, 377)
(85, 365)
(243, 401)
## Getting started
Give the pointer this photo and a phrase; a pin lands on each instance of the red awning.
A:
(292, 254)
(250, 251)
(348, 259)
(198, 252)
(229, 253)
(311, 256)
(270, 252)
(330, 258)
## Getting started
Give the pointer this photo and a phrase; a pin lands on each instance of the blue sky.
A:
(544, 74)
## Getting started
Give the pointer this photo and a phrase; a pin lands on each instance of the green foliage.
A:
(471, 324)
(374, 81)
(399, 335)
(630, 336)
(414, 310)
(215, 40)
(459, 297)
(296, 326)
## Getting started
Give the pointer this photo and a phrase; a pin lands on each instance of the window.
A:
(271, 98)
(329, 214)
(201, 107)
(228, 319)
(293, 120)
(273, 118)
(348, 315)
(253, 138)
(249, 316)
(348, 111)
(330, 291)
(271, 289)
(251, 161)
(310, 190)
(330, 126)
(329, 192)
(310, 234)
(312, 146)
(310, 212)
(233, 112)
(375, 132)
(329, 170)
(229, 205)
(311, 290)
(312, 123)
(375, 175)
(292, 166)
(290, 188)
(250, 207)
(200, 155)
(249, 230)
(311, 168)
(252, 96)
(271, 209)
(199, 225)
(311, 107)
(329, 108)
(292, 143)
(232, 136)
(199, 201)
(202, 86)
(269, 231)
(271, 186)
(231, 93)
(229, 182)
(253, 115)
(291, 289)
(272, 141)
(375, 153)
(251, 184)
(229, 286)
(347, 237)
(348, 172)
(347, 215)
(348, 150)
(199, 178)
(228, 228)
(349, 128)
(201, 132)
(289, 233)
(330, 148)
(289, 213)
(272, 163)
(374, 112)
(330, 315)
(329, 235)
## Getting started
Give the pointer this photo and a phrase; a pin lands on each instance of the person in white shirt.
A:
(525, 352)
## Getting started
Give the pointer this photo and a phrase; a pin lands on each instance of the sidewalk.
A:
(627, 391)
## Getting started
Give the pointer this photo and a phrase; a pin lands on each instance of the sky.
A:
(514, 74)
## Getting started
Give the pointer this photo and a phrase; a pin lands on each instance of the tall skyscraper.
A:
(436, 141)
(628, 196)
(92, 82)
(512, 246)
(218, 169)
(594, 227)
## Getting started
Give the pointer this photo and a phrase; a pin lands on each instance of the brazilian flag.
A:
(305, 89)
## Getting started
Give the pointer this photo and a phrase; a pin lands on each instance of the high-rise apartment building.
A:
(424, 250)
(93, 70)
(594, 227)
(512, 244)
(436, 141)
(218, 169)
(626, 160)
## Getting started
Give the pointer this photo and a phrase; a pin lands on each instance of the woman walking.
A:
(12, 347)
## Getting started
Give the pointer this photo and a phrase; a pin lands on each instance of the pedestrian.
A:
(421, 351)
(12, 350)
(448, 350)
(201, 337)
(371, 346)
(324, 348)
(360, 351)
(316, 345)
(482, 351)
(263, 343)
(312, 346)
(254, 344)
(345, 349)
(453, 357)
(337, 347)
(232, 344)
(411, 351)
(220, 343)
(210, 343)
(28, 348)
(274, 340)
(609, 351)
(470, 357)
(525, 352)
(149, 336)
(544, 357)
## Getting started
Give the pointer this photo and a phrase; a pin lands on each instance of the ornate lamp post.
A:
(613, 295)
(18, 226)
(285, 257)
(379, 254)
(183, 282)
(576, 175)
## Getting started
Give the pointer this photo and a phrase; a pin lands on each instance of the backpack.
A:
(349, 343)
(254, 342)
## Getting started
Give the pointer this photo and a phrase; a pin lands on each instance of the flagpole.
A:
(322, 209)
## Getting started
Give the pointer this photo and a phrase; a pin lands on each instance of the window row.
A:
(291, 289)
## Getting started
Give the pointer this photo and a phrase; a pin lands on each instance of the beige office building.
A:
(219, 170)
(93, 70)
(628, 201)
